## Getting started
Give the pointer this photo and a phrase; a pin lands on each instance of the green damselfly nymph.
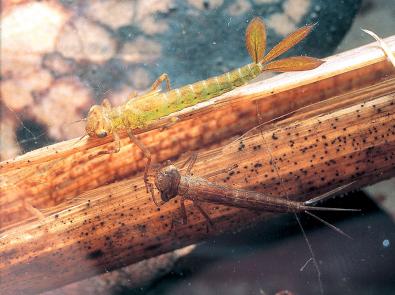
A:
(140, 111)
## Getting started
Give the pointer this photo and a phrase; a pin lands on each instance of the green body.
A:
(145, 109)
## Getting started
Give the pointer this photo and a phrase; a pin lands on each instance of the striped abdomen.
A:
(206, 89)
(145, 109)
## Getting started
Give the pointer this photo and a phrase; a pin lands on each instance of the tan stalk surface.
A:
(349, 138)
(48, 176)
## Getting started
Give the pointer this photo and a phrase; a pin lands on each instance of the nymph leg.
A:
(158, 82)
(147, 154)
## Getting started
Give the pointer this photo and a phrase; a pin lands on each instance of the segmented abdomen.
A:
(148, 108)
(206, 89)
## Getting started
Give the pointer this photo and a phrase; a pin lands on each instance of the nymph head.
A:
(167, 180)
(98, 122)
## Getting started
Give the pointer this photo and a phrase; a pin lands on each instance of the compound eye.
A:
(164, 197)
(101, 134)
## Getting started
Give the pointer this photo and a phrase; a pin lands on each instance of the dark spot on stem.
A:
(95, 254)
(152, 247)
